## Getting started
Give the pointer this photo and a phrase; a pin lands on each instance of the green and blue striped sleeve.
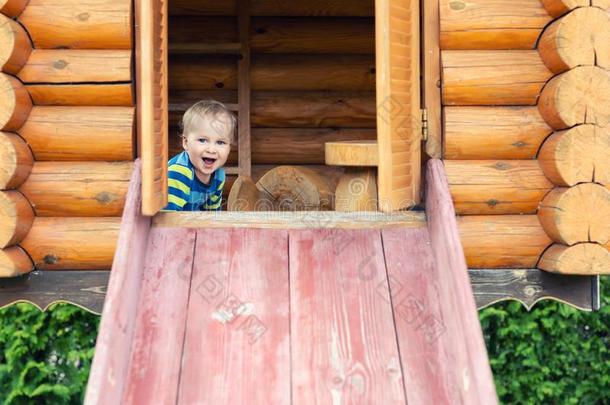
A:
(179, 180)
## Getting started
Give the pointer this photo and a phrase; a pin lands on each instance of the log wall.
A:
(526, 139)
(66, 131)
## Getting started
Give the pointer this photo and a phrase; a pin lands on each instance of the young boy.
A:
(196, 177)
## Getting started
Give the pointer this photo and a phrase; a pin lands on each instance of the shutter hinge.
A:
(424, 124)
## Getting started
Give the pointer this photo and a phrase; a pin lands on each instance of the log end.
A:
(14, 262)
(557, 8)
(577, 214)
(577, 155)
(16, 218)
(12, 8)
(581, 38)
(15, 47)
(582, 259)
(246, 196)
(578, 96)
(15, 103)
(356, 191)
(17, 161)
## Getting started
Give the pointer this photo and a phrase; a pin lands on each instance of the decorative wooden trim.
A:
(530, 286)
(86, 289)
(432, 78)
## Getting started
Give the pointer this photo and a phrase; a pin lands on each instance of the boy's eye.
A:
(202, 140)
(221, 142)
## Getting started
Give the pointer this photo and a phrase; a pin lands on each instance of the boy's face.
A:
(208, 146)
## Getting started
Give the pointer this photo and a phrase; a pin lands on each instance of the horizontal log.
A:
(557, 8)
(16, 217)
(492, 77)
(17, 160)
(581, 259)
(496, 187)
(77, 66)
(497, 241)
(91, 24)
(493, 132)
(577, 155)
(484, 24)
(12, 8)
(72, 243)
(14, 261)
(120, 95)
(80, 133)
(571, 215)
(319, 8)
(578, 96)
(15, 103)
(581, 38)
(277, 146)
(297, 109)
(276, 72)
(278, 35)
(15, 47)
(78, 189)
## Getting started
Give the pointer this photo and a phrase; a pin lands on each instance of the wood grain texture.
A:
(85, 289)
(320, 8)
(17, 160)
(75, 24)
(12, 8)
(352, 153)
(14, 261)
(493, 77)
(397, 37)
(74, 66)
(577, 155)
(496, 187)
(432, 77)
(80, 133)
(488, 132)
(529, 286)
(581, 38)
(557, 8)
(581, 259)
(15, 46)
(343, 340)
(157, 343)
(455, 290)
(238, 320)
(119, 95)
(244, 89)
(15, 104)
(578, 96)
(72, 243)
(72, 189)
(109, 368)
(508, 241)
(356, 190)
(485, 24)
(152, 99)
(16, 217)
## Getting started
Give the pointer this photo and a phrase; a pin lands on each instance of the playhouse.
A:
(439, 135)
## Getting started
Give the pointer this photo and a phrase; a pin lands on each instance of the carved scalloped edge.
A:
(534, 302)
(46, 307)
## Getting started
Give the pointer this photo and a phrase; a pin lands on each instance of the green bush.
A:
(554, 354)
(551, 355)
(45, 356)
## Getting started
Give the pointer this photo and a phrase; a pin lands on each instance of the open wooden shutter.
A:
(151, 71)
(398, 103)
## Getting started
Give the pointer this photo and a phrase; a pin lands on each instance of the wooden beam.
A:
(244, 153)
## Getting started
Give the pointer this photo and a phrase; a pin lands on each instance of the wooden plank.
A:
(530, 286)
(290, 220)
(85, 289)
(398, 103)
(154, 366)
(238, 320)
(152, 100)
(118, 95)
(458, 306)
(110, 364)
(244, 89)
(344, 347)
(432, 77)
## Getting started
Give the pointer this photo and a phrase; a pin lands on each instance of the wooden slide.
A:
(277, 316)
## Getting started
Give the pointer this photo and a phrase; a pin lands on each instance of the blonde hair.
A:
(208, 109)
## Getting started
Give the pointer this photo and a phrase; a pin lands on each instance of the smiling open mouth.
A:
(209, 161)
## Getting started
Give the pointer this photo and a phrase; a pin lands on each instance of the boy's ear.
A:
(184, 143)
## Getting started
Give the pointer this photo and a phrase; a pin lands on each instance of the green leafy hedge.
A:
(552, 355)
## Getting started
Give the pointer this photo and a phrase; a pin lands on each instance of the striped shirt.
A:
(186, 192)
